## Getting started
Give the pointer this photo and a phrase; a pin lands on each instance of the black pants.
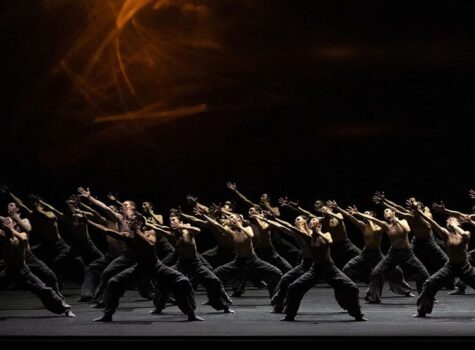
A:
(118, 265)
(165, 279)
(171, 259)
(218, 256)
(163, 248)
(92, 275)
(343, 251)
(346, 292)
(434, 283)
(58, 256)
(406, 259)
(195, 269)
(51, 300)
(360, 267)
(271, 256)
(282, 288)
(286, 249)
(168, 280)
(461, 285)
(252, 268)
(87, 250)
(42, 271)
(430, 254)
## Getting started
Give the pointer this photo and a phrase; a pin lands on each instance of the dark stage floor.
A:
(21, 314)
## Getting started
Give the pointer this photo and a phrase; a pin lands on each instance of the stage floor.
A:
(21, 314)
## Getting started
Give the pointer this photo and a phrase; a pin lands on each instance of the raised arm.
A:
(284, 202)
(278, 226)
(358, 223)
(243, 198)
(188, 227)
(50, 207)
(218, 226)
(380, 198)
(266, 204)
(354, 211)
(437, 228)
(328, 212)
(295, 231)
(114, 199)
(194, 220)
(111, 215)
(99, 218)
(17, 200)
(123, 236)
(440, 208)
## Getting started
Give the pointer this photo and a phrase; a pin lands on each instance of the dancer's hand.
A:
(438, 208)
(231, 186)
(352, 210)
(86, 193)
(192, 200)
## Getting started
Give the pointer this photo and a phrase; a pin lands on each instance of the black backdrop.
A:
(328, 99)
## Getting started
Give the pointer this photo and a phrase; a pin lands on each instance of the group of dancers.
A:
(164, 263)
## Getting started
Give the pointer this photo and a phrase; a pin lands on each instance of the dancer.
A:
(262, 241)
(142, 247)
(246, 263)
(460, 286)
(286, 249)
(191, 265)
(301, 225)
(323, 268)
(458, 266)
(400, 254)
(13, 245)
(361, 266)
(37, 266)
(423, 243)
(165, 250)
(343, 248)
(116, 221)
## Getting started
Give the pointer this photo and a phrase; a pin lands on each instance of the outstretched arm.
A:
(194, 220)
(274, 210)
(98, 217)
(380, 198)
(218, 226)
(111, 215)
(437, 228)
(19, 202)
(243, 198)
(123, 236)
(194, 201)
(295, 231)
(358, 223)
(53, 209)
(280, 227)
(284, 202)
(440, 208)
(188, 227)
(114, 199)
(355, 212)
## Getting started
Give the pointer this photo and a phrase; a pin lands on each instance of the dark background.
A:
(310, 99)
